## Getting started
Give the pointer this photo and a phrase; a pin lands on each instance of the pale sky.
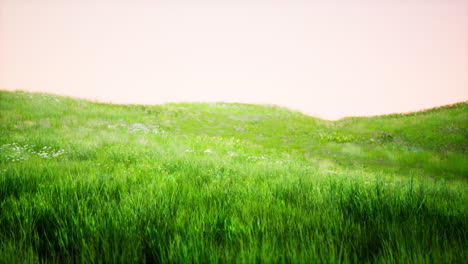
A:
(326, 58)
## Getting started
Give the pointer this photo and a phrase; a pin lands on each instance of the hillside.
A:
(433, 142)
(193, 182)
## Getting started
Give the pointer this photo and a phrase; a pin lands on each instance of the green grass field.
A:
(228, 183)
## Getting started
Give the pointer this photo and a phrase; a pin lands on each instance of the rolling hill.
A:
(213, 183)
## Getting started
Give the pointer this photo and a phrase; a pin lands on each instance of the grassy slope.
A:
(228, 182)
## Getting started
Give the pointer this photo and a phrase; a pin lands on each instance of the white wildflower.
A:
(257, 157)
(15, 152)
(132, 128)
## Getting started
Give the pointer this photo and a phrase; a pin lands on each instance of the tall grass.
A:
(215, 192)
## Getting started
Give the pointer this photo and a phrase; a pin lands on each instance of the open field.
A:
(216, 183)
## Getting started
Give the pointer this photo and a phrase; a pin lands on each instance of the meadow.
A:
(87, 182)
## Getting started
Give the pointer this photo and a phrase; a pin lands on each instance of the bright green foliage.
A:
(222, 183)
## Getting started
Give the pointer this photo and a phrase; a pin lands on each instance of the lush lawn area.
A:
(216, 183)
